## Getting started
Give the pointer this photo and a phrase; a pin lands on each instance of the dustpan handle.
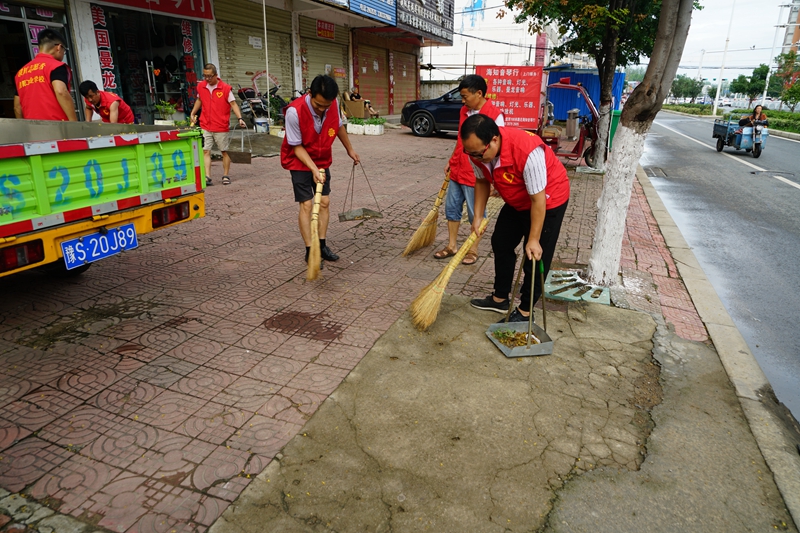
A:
(530, 306)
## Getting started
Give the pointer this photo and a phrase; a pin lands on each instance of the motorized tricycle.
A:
(587, 135)
(748, 138)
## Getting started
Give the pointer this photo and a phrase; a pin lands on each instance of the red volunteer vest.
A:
(216, 111)
(460, 166)
(124, 113)
(318, 145)
(35, 91)
(508, 174)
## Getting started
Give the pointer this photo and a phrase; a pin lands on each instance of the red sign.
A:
(188, 9)
(516, 91)
(326, 30)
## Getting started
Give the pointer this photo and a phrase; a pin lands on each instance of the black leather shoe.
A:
(328, 255)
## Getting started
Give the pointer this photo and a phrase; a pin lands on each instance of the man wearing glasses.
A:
(534, 184)
(42, 86)
(216, 99)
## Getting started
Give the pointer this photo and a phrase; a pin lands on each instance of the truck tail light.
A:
(170, 214)
(21, 255)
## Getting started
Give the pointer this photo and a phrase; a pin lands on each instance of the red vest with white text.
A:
(508, 176)
(36, 94)
(460, 166)
(318, 145)
(215, 114)
(124, 113)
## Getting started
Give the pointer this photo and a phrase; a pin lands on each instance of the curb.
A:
(744, 373)
(772, 132)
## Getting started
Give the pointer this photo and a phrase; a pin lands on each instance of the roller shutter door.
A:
(373, 76)
(321, 53)
(405, 79)
(237, 22)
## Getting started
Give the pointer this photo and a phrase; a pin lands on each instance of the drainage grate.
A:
(567, 285)
(655, 172)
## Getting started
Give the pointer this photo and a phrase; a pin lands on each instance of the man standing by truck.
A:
(312, 123)
(42, 86)
(216, 99)
(111, 108)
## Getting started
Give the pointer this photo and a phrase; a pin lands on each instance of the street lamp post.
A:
(772, 53)
(724, 56)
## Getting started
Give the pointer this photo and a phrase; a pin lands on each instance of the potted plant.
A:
(374, 126)
(165, 110)
(355, 126)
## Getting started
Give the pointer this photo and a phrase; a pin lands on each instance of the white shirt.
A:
(291, 121)
(211, 88)
(500, 120)
(535, 173)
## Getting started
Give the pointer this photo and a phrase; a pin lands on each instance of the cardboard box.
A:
(354, 108)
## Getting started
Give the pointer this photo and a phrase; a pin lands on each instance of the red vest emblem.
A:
(219, 94)
(509, 177)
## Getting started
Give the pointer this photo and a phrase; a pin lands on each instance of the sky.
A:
(753, 27)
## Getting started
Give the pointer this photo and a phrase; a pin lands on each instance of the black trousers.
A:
(513, 226)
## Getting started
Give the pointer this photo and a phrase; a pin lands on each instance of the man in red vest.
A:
(216, 99)
(534, 184)
(312, 122)
(462, 177)
(42, 86)
(109, 106)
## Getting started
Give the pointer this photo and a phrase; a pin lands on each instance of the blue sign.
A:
(382, 10)
(95, 246)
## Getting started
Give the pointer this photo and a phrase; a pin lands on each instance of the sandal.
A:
(444, 253)
(470, 259)
(226, 180)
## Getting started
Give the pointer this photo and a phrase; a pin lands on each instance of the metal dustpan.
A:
(362, 213)
(242, 158)
(530, 331)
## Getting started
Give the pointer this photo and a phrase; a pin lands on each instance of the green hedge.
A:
(779, 120)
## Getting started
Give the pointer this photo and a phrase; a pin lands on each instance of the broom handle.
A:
(443, 190)
(514, 291)
(541, 277)
(317, 200)
(456, 260)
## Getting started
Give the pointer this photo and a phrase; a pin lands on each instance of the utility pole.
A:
(724, 56)
(772, 54)
(466, 57)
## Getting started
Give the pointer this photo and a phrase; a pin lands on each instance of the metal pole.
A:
(724, 56)
(700, 66)
(772, 56)
(266, 60)
(466, 53)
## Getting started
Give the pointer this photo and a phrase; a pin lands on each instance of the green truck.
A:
(74, 193)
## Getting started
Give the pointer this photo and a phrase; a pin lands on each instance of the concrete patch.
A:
(440, 431)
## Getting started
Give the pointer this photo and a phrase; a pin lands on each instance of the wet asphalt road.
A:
(744, 228)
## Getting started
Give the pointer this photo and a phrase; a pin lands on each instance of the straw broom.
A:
(425, 308)
(426, 233)
(315, 254)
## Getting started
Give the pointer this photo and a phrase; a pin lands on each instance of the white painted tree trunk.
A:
(613, 205)
(603, 125)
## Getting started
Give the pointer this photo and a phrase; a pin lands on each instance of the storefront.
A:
(148, 53)
(324, 50)
(386, 69)
(240, 41)
(19, 28)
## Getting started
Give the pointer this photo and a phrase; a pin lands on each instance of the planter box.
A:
(355, 129)
(373, 129)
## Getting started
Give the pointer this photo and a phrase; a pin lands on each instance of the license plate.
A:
(91, 248)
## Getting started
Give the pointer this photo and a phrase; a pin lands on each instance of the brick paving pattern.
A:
(145, 394)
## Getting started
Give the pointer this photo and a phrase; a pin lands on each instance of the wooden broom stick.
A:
(425, 308)
(315, 254)
(426, 233)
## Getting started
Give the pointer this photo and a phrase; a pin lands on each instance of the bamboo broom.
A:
(315, 254)
(426, 233)
(425, 308)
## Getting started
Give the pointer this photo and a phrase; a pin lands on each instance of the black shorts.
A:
(305, 186)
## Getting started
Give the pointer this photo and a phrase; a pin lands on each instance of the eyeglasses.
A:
(209, 76)
(477, 155)
(63, 46)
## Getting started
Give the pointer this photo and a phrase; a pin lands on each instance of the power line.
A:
(476, 10)
(525, 46)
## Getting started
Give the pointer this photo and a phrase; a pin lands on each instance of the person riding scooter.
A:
(756, 117)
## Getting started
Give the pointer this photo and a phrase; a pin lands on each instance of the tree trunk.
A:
(637, 117)
(606, 66)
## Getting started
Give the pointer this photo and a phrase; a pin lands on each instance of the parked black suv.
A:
(427, 116)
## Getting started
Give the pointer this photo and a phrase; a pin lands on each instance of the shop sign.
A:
(188, 62)
(541, 44)
(326, 30)
(188, 9)
(255, 42)
(381, 10)
(516, 91)
(432, 19)
(108, 70)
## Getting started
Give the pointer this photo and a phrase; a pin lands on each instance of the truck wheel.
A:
(720, 144)
(422, 124)
(757, 151)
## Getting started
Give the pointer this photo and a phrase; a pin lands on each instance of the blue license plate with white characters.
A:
(96, 246)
